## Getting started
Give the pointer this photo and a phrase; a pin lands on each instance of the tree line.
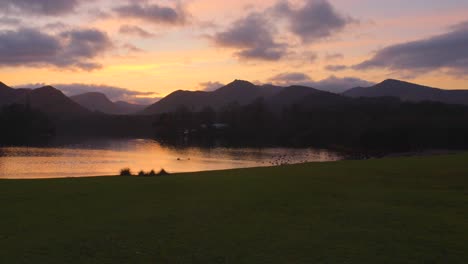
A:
(378, 124)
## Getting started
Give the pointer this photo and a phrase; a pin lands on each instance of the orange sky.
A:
(183, 56)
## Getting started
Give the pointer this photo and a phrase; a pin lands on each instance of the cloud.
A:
(334, 56)
(56, 26)
(312, 57)
(39, 7)
(339, 85)
(253, 36)
(335, 68)
(153, 13)
(136, 31)
(210, 86)
(442, 52)
(112, 92)
(132, 48)
(10, 21)
(290, 78)
(74, 49)
(315, 20)
(331, 84)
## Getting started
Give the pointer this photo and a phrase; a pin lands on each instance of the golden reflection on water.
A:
(98, 158)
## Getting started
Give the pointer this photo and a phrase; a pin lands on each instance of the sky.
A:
(142, 50)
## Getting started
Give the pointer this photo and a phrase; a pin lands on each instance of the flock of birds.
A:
(280, 160)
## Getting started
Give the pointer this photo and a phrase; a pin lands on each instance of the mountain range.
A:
(52, 101)
(242, 93)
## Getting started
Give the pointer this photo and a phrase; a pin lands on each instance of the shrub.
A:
(125, 172)
(152, 173)
(141, 173)
(163, 173)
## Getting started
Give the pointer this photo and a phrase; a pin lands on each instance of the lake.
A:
(107, 157)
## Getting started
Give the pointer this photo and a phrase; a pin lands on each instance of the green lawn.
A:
(401, 210)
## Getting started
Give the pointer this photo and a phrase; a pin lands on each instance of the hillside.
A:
(52, 101)
(129, 108)
(410, 92)
(96, 102)
(242, 92)
(46, 99)
(305, 97)
(9, 95)
(99, 102)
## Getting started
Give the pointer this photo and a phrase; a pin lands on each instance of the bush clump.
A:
(142, 173)
(125, 172)
(163, 173)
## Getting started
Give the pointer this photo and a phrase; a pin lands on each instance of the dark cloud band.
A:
(443, 52)
(69, 49)
(153, 13)
(40, 7)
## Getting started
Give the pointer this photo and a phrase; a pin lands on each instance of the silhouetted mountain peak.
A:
(397, 83)
(239, 84)
(407, 91)
(4, 86)
(47, 89)
(392, 81)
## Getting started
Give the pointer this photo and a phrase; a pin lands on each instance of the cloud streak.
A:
(153, 13)
(210, 86)
(331, 84)
(336, 68)
(135, 31)
(40, 7)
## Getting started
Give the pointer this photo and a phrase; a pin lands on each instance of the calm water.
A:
(107, 157)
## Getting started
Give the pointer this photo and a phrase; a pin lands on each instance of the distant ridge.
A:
(407, 91)
(52, 101)
(46, 99)
(129, 108)
(95, 101)
(242, 93)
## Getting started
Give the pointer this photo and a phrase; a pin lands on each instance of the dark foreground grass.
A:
(403, 210)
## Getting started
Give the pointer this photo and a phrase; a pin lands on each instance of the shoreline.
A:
(421, 154)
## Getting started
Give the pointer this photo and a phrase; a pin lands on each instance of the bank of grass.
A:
(399, 210)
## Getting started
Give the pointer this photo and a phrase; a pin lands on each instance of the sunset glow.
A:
(184, 44)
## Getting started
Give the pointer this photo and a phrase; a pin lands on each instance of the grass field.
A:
(400, 210)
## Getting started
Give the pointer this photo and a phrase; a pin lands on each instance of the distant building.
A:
(220, 125)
